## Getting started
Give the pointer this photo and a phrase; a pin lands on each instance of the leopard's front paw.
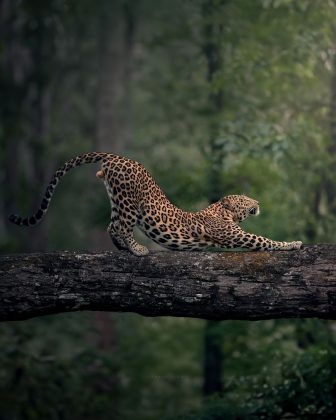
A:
(139, 250)
(296, 245)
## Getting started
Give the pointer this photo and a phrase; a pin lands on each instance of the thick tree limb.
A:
(227, 285)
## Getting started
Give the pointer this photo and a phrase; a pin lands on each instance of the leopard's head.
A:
(240, 206)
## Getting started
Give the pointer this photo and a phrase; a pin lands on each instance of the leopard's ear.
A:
(226, 202)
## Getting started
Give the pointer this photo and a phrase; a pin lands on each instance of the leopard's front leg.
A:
(235, 237)
(256, 242)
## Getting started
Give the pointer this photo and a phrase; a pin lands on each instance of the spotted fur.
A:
(136, 199)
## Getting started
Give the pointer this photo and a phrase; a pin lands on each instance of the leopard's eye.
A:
(253, 210)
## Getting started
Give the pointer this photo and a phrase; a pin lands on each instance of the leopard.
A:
(137, 200)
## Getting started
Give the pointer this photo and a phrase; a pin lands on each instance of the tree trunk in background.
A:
(213, 354)
(330, 186)
(14, 69)
(27, 63)
(113, 133)
(115, 56)
(113, 128)
(327, 187)
(40, 93)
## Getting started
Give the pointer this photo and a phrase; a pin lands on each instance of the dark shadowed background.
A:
(214, 97)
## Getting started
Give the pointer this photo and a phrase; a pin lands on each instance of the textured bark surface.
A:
(226, 285)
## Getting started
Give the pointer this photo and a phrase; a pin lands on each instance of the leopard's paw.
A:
(296, 245)
(139, 250)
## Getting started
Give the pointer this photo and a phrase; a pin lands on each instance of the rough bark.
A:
(218, 286)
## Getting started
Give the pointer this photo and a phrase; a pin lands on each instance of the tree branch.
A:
(226, 285)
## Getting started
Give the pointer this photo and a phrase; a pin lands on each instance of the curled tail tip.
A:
(13, 218)
(27, 221)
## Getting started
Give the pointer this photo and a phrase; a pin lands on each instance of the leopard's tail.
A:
(76, 161)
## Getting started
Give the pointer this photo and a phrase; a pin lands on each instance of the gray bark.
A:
(227, 285)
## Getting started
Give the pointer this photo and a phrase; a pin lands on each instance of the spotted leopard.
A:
(137, 200)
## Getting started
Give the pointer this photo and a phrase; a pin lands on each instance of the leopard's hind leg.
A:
(117, 241)
(126, 234)
(121, 233)
(121, 228)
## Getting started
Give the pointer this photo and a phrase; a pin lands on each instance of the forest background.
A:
(214, 97)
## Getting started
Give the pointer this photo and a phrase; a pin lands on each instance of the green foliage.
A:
(51, 368)
(303, 387)
(42, 377)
